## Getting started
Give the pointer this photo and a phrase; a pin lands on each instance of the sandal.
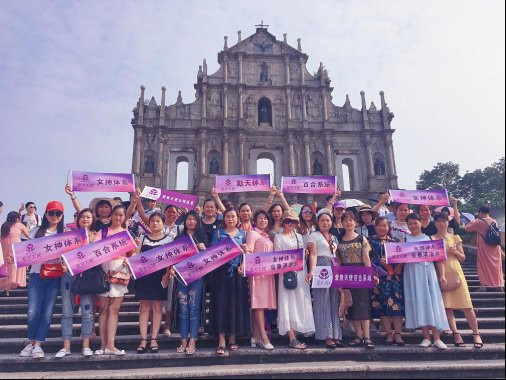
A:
(154, 349)
(368, 343)
(399, 342)
(339, 343)
(233, 346)
(387, 341)
(459, 344)
(140, 349)
(357, 342)
(180, 349)
(295, 344)
(477, 344)
(190, 350)
(220, 351)
(331, 346)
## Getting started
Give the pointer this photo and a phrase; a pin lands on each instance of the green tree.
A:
(445, 175)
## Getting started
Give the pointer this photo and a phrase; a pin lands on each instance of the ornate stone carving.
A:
(313, 106)
(214, 106)
(296, 106)
(232, 105)
(233, 69)
(265, 78)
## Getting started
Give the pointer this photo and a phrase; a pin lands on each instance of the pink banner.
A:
(3, 271)
(187, 201)
(47, 248)
(162, 257)
(260, 264)
(309, 185)
(71, 226)
(102, 182)
(190, 270)
(99, 252)
(347, 277)
(415, 252)
(243, 183)
(420, 197)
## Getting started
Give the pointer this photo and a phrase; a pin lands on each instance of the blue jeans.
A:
(67, 319)
(190, 301)
(42, 295)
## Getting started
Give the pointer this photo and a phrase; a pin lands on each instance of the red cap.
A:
(54, 205)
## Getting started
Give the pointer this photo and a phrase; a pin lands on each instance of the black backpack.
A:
(492, 237)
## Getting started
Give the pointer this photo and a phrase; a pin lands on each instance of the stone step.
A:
(252, 358)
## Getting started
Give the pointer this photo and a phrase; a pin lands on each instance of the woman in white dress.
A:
(295, 311)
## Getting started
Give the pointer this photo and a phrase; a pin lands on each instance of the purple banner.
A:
(3, 271)
(190, 270)
(347, 277)
(415, 252)
(71, 226)
(99, 252)
(260, 264)
(243, 183)
(102, 182)
(420, 197)
(47, 248)
(162, 257)
(309, 185)
(187, 201)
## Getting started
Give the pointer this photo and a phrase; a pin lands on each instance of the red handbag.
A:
(50, 271)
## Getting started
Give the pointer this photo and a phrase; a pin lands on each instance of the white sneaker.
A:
(426, 343)
(440, 344)
(27, 351)
(87, 352)
(115, 353)
(37, 353)
(62, 353)
(99, 352)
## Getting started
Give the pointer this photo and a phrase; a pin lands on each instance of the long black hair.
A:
(199, 235)
(12, 218)
(303, 223)
(41, 232)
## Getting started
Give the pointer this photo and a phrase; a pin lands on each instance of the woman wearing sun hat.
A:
(42, 292)
(366, 217)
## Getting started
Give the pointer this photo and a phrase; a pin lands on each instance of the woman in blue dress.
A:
(387, 298)
(229, 308)
(422, 294)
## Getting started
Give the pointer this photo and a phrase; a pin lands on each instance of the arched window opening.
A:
(265, 165)
(182, 174)
(149, 162)
(379, 165)
(214, 162)
(348, 175)
(317, 163)
(264, 112)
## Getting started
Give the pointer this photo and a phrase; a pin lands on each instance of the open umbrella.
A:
(467, 218)
(452, 211)
(297, 207)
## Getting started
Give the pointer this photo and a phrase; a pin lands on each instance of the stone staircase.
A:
(315, 362)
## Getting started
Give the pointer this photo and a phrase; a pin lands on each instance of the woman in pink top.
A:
(262, 288)
(490, 271)
(11, 233)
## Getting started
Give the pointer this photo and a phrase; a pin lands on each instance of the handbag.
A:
(290, 278)
(119, 278)
(51, 271)
(92, 281)
(453, 281)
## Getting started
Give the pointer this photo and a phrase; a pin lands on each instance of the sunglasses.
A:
(55, 213)
(290, 221)
(307, 212)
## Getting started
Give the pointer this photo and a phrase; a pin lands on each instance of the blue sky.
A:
(70, 73)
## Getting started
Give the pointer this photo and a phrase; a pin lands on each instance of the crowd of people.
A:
(406, 297)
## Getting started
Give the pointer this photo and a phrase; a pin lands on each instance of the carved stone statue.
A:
(264, 73)
(214, 166)
(149, 163)
(317, 168)
(264, 114)
(379, 167)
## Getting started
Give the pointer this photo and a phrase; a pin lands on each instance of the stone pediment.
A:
(263, 43)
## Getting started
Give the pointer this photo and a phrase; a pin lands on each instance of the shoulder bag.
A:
(290, 278)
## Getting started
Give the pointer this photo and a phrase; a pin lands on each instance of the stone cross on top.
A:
(262, 25)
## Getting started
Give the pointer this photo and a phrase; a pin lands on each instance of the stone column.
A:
(241, 104)
(203, 152)
(329, 156)
(225, 103)
(302, 79)
(324, 104)
(307, 155)
(140, 120)
(291, 154)
(287, 70)
(159, 161)
(391, 159)
(304, 110)
(241, 80)
(289, 104)
(137, 151)
(225, 67)
(370, 163)
(225, 153)
(204, 102)
(241, 153)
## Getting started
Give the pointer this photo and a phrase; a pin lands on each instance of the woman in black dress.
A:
(149, 289)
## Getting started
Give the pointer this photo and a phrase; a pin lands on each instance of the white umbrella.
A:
(352, 202)
(297, 207)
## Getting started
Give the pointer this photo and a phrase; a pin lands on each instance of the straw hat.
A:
(289, 215)
(94, 201)
(367, 208)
